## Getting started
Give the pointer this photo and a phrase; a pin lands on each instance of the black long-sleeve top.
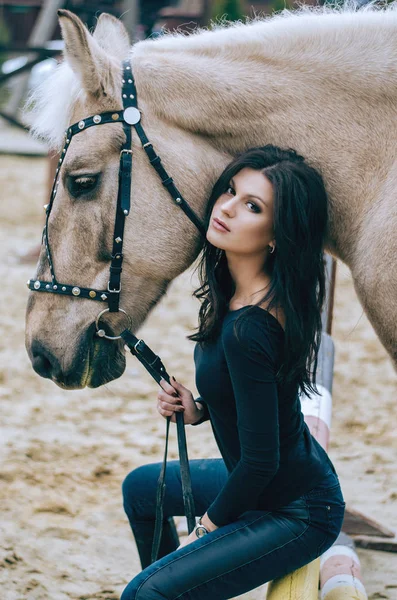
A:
(268, 450)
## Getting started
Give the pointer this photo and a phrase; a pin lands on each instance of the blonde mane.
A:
(49, 108)
(305, 20)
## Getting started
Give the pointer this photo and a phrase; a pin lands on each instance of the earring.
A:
(272, 249)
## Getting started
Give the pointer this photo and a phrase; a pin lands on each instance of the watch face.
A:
(200, 531)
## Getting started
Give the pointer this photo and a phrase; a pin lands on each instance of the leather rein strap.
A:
(129, 117)
(155, 367)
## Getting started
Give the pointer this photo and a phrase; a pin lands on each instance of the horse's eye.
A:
(82, 184)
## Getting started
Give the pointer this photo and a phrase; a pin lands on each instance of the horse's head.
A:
(159, 240)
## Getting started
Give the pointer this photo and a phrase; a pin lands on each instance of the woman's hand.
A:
(192, 537)
(174, 398)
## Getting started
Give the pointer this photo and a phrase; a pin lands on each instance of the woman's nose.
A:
(228, 207)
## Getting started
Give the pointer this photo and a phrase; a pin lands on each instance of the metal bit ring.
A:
(101, 332)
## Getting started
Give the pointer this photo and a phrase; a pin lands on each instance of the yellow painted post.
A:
(302, 584)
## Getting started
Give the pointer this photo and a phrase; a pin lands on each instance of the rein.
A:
(129, 117)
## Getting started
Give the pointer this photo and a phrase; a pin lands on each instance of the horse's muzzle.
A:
(94, 363)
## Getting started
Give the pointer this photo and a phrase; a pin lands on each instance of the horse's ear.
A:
(84, 55)
(112, 36)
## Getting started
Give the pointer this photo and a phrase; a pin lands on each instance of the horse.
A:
(321, 80)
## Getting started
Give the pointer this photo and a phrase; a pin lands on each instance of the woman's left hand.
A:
(192, 537)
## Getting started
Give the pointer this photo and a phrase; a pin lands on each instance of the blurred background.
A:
(30, 37)
(64, 455)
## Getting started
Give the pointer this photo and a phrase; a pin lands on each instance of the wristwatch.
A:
(200, 529)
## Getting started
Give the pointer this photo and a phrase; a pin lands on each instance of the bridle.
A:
(129, 117)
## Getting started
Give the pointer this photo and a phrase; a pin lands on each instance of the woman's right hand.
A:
(175, 397)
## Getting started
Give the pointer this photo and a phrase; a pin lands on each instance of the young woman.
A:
(273, 502)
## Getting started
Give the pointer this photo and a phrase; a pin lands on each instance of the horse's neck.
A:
(315, 83)
(245, 78)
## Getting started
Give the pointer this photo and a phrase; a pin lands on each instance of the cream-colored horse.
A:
(322, 81)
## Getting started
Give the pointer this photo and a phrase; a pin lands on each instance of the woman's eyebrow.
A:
(257, 198)
(250, 195)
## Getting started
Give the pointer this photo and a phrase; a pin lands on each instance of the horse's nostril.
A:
(44, 363)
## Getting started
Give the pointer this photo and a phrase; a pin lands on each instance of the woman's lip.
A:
(218, 226)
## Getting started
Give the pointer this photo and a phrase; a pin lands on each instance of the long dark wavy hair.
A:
(296, 267)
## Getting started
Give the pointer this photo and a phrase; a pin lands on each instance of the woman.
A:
(273, 502)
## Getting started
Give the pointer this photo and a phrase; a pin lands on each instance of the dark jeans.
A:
(258, 547)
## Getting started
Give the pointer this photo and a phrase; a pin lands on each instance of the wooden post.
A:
(340, 574)
(302, 584)
(130, 17)
(206, 14)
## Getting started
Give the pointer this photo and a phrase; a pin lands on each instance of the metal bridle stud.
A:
(131, 115)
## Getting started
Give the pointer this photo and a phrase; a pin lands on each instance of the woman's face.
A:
(246, 208)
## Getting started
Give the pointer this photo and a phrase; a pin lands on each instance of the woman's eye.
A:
(256, 208)
(230, 190)
(82, 184)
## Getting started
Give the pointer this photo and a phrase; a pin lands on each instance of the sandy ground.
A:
(64, 455)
